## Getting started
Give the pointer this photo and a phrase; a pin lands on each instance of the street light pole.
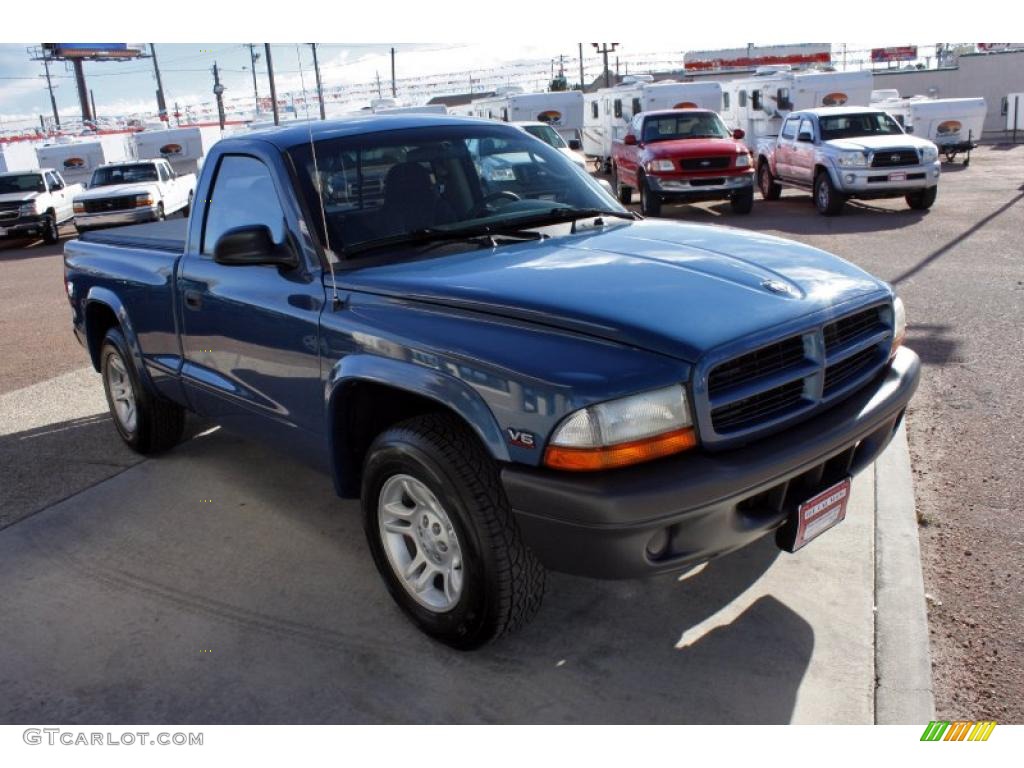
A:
(161, 103)
(49, 85)
(319, 85)
(218, 91)
(253, 56)
(273, 87)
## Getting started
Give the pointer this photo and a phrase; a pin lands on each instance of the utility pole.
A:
(582, 84)
(319, 85)
(253, 56)
(161, 104)
(177, 114)
(49, 85)
(273, 87)
(218, 91)
(605, 49)
(92, 100)
(380, 93)
(83, 92)
(394, 89)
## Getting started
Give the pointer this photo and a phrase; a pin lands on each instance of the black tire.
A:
(743, 202)
(159, 423)
(51, 230)
(187, 208)
(770, 189)
(623, 193)
(923, 200)
(503, 582)
(650, 202)
(827, 200)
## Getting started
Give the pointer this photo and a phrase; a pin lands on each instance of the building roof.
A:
(460, 99)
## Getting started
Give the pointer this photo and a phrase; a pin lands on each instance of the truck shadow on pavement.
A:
(224, 545)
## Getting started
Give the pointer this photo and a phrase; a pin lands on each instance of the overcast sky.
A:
(127, 87)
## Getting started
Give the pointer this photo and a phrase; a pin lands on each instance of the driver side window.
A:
(243, 195)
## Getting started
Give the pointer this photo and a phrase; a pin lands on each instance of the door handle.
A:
(193, 300)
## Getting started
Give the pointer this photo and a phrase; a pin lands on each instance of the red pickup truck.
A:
(685, 156)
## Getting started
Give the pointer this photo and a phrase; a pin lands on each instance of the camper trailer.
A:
(954, 125)
(184, 148)
(562, 110)
(76, 160)
(607, 111)
(758, 104)
(18, 156)
(1014, 110)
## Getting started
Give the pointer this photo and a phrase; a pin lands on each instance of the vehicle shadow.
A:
(934, 344)
(279, 575)
(28, 248)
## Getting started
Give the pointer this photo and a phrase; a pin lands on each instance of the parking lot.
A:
(224, 583)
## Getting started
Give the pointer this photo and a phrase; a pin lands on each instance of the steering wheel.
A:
(480, 209)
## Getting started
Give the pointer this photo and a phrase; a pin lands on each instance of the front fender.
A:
(444, 389)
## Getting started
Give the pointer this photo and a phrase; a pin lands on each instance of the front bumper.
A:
(698, 187)
(85, 221)
(703, 504)
(23, 226)
(886, 182)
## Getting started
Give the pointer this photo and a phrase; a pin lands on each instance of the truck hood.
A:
(691, 147)
(680, 290)
(116, 190)
(18, 197)
(875, 143)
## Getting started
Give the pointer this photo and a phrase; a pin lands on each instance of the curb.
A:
(903, 671)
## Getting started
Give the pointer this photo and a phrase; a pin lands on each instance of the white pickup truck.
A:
(132, 192)
(35, 204)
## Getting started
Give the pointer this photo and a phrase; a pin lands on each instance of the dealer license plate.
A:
(824, 511)
(897, 177)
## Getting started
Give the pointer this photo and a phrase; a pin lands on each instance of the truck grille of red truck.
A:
(795, 376)
(705, 163)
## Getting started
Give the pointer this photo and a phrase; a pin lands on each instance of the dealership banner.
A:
(897, 53)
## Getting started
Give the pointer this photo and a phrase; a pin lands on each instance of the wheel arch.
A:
(366, 394)
(103, 311)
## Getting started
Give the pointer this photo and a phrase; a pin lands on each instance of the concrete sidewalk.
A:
(223, 583)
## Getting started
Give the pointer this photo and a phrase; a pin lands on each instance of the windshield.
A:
(123, 174)
(26, 182)
(694, 125)
(547, 134)
(856, 125)
(387, 186)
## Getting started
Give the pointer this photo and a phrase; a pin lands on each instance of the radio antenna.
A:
(318, 185)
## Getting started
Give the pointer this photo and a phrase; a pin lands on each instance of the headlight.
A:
(899, 325)
(142, 201)
(930, 154)
(743, 160)
(79, 207)
(27, 209)
(853, 160)
(622, 432)
(660, 165)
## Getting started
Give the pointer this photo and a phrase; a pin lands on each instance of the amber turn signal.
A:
(621, 455)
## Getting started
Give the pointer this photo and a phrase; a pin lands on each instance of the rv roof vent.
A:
(773, 69)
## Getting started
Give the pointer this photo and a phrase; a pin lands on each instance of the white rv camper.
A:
(562, 110)
(76, 160)
(758, 104)
(184, 148)
(18, 156)
(954, 125)
(607, 111)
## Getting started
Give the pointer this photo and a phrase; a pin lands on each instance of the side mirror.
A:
(251, 245)
(575, 144)
(629, 139)
(806, 136)
(738, 134)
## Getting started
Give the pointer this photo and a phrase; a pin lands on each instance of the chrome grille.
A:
(753, 392)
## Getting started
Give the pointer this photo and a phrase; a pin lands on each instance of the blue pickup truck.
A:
(512, 371)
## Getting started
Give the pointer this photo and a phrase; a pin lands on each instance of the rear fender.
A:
(100, 295)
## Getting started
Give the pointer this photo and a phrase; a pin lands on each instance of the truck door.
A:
(802, 156)
(250, 334)
(59, 196)
(784, 148)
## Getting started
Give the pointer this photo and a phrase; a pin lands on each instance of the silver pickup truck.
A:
(839, 153)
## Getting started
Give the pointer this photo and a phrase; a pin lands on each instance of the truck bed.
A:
(167, 236)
